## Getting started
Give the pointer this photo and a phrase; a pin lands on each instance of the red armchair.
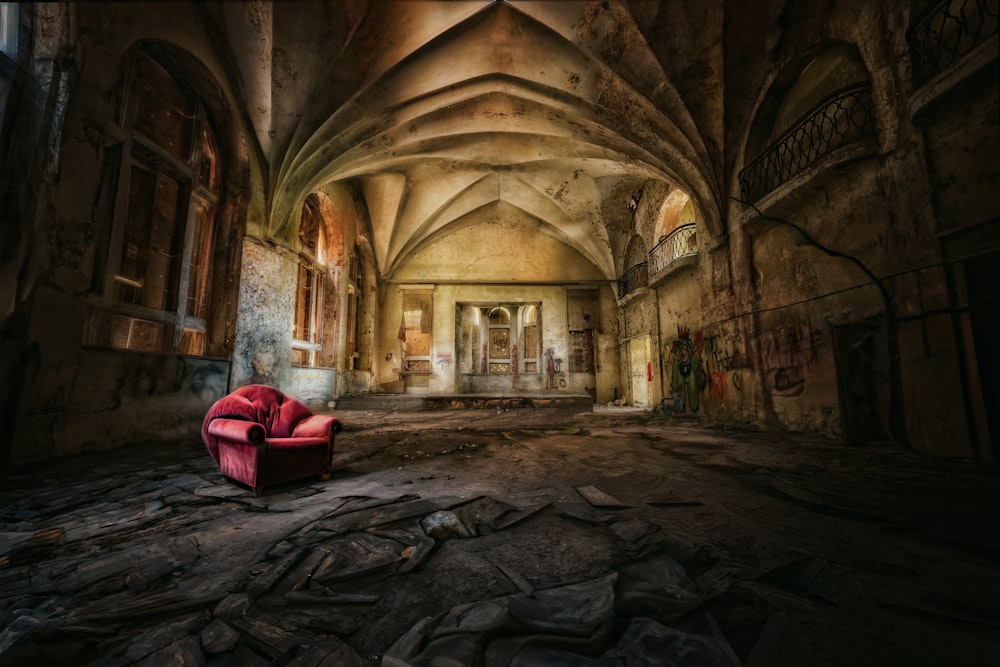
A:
(260, 437)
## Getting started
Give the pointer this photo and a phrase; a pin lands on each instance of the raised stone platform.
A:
(574, 403)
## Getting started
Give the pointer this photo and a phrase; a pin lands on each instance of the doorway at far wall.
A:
(639, 357)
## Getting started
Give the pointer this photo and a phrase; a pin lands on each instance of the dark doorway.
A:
(855, 351)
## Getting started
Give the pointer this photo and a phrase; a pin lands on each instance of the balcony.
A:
(633, 279)
(948, 43)
(948, 32)
(672, 249)
(845, 117)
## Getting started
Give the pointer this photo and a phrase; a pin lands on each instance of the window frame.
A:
(311, 344)
(417, 364)
(518, 323)
(352, 331)
(311, 267)
(10, 29)
(182, 332)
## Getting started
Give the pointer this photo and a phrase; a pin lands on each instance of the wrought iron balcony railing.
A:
(633, 279)
(682, 242)
(948, 31)
(843, 118)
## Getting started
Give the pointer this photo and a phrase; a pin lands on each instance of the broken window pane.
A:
(165, 113)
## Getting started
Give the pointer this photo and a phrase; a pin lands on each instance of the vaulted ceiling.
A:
(444, 113)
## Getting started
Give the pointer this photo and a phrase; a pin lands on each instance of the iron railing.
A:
(948, 31)
(682, 242)
(633, 279)
(843, 118)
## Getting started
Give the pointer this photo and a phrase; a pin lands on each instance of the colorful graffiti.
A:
(687, 372)
(717, 385)
(698, 364)
(443, 359)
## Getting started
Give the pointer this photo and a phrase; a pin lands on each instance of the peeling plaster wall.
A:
(963, 154)
(863, 337)
(313, 386)
(86, 399)
(878, 228)
(263, 349)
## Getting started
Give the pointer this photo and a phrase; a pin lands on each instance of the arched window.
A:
(159, 261)
(354, 292)
(677, 232)
(307, 336)
(498, 340)
(818, 110)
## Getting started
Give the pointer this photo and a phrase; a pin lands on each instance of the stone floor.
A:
(524, 538)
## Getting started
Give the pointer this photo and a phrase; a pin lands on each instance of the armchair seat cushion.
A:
(260, 436)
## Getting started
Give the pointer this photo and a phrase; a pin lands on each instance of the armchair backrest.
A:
(263, 404)
(277, 413)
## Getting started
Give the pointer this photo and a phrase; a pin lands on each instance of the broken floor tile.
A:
(322, 620)
(419, 545)
(356, 555)
(183, 653)
(515, 578)
(162, 635)
(268, 639)
(453, 650)
(646, 642)
(330, 652)
(599, 499)
(658, 588)
(219, 637)
(487, 616)
(515, 516)
(576, 610)
(638, 534)
(410, 642)
(482, 514)
(232, 606)
(540, 656)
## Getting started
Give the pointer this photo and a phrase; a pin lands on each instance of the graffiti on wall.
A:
(701, 366)
(786, 352)
(687, 370)
(718, 385)
(443, 360)
(724, 352)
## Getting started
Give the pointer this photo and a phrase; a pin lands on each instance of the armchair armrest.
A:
(237, 430)
(317, 426)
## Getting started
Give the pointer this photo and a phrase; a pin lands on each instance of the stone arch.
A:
(832, 65)
(677, 209)
(636, 253)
